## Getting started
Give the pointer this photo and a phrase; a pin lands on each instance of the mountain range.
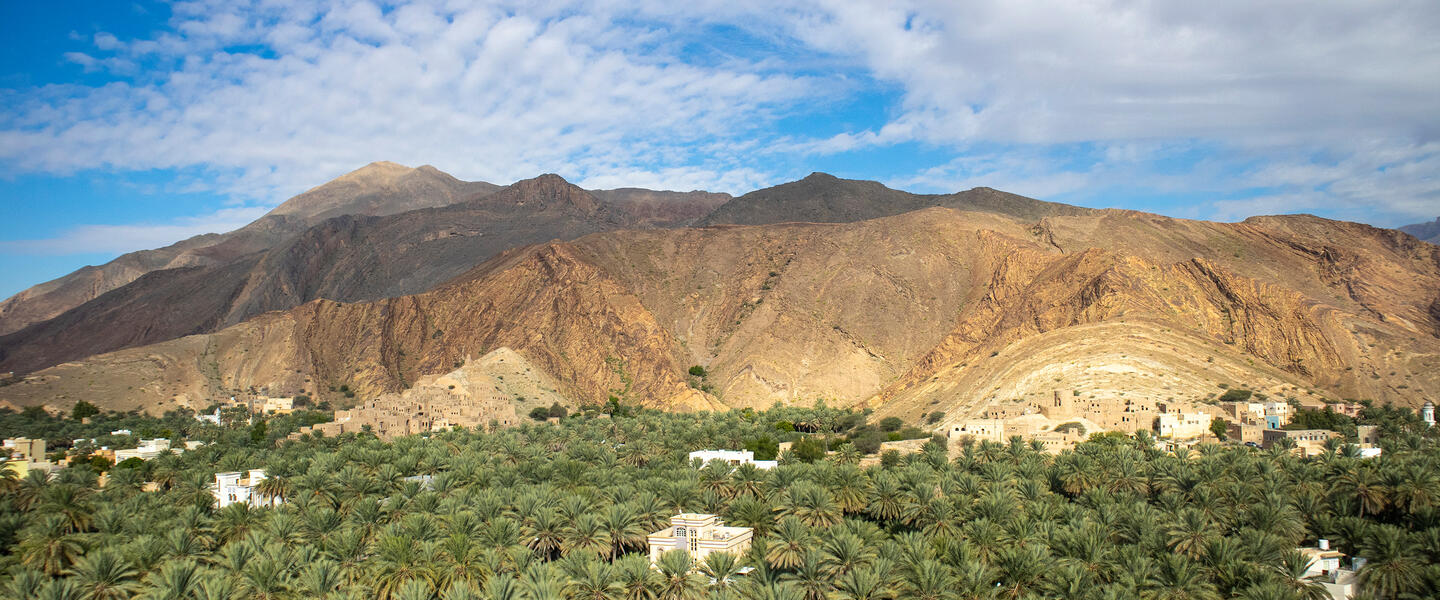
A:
(822, 288)
(1429, 232)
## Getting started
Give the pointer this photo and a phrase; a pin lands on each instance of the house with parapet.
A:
(235, 487)
(699, 535)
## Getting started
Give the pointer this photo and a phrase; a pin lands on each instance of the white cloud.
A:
(1330, 106)
(487, 92)
(117, 239)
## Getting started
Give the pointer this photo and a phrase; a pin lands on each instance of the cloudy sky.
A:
(132, 125)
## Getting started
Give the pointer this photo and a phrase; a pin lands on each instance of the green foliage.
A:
(1325, 418)
(808, 449)
(101, 464)
(83, 410)
(131, 463)
(1235, 395)
(539, 413)
(934, 417)
(1070, 426)
(542, 511)
(257, 432)
(698, 371)
(556, 411)
(785, 426)
(891, 424)
(764, 447)
(1219, 427)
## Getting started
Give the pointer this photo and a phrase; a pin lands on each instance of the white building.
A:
(1179, 425)
(120, 432)
(236, 487)
(980, 429)
(699, 535)
(278, 405)
(734, 457)
(147, 450)
(211, 418)
(1325, 568)
(1427, 413)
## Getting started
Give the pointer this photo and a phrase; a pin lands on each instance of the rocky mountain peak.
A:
(546, 192)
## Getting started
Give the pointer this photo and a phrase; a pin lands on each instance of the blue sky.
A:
(130, 125)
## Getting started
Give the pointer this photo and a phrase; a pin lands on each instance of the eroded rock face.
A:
(936, 309)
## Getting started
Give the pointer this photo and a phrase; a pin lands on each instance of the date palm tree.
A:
(48, 545)
(792, 539)
(176, 580)
(1393, 568)
(722, 568)
(811, 578)
(678, 579)
(586, 535)
(811, 504)
(104, 575)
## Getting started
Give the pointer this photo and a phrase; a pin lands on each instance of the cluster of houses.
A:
(1067, 419)
(418, 411)
(29, 454)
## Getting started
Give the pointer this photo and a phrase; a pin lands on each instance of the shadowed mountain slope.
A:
(1428, 232)
(380, 188)
(347, 258)
(823, 198)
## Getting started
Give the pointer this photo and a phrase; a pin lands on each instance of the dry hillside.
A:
(936, 309)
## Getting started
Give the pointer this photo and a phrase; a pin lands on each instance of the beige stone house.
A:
(699, 535)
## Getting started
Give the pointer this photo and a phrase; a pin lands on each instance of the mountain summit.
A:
(377, 189)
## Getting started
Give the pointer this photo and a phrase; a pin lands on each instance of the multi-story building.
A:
(26, 455)
(1277, 414)
(235, 487)
(1245, 432)
(699, 535)
(733, 457)
(1181, 425)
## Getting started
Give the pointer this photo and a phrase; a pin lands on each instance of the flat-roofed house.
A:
(733, 457)
(235, 487)
(699, 535)
(980, 429)
(1308, 442)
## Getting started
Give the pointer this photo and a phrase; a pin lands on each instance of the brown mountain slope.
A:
(934, 309)
(651, 208)
(377, 189)
(347, 258)
(824, 198)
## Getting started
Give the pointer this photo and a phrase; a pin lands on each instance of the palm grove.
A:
(562, 510)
